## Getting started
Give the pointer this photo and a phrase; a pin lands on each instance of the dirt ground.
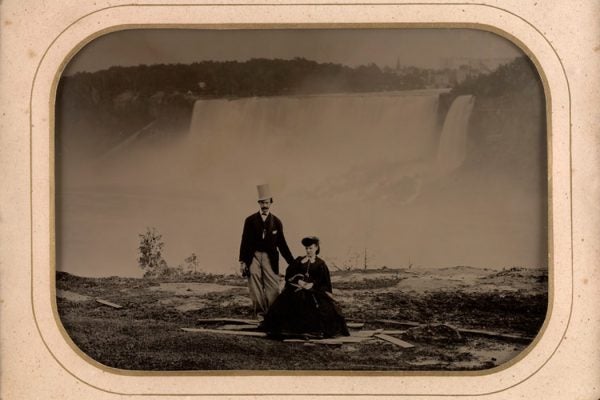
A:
(442, 312)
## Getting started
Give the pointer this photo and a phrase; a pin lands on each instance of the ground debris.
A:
(108, 303)
(434, 332)
(396, 341)
(71, 296)
(355, 325)
(295, 341)
(497, 335)
(225, 332)
(366, 333)
(229, 320)
(407, 324)
(243, 327)
(146, 333)
(340, 340)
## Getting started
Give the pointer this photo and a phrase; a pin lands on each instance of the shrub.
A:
(151, 260)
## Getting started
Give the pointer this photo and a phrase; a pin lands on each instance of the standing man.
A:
(262, 238)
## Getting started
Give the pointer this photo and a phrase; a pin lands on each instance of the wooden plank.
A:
(476, 332)
(108, 303)
(355, 325)
(366, 333)
(294, 341)
(340, 340)
(391, 339)
(496, 335)
(230, 320)
(374, 332)
(242, 327)
(398, 323)
(225, 332)
(393, 331)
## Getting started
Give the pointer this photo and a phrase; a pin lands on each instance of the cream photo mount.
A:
(264, 16)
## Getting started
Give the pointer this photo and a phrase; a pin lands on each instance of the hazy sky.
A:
(353, 47)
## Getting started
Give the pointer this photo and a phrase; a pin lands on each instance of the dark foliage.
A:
(256, 77)
(518, 76)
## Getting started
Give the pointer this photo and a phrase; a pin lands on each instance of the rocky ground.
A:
(459, 318)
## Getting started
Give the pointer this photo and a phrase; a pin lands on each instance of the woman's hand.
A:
(305, 285)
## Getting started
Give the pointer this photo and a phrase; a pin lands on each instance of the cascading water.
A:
(452, 148)
(328, 145)
(312, 137)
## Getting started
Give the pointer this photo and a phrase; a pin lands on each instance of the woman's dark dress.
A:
(298, 312)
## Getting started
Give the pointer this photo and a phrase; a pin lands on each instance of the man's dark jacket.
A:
(252, 240)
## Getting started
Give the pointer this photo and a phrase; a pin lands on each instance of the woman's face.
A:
(311, 250)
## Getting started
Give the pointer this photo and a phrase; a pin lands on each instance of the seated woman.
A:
(306, 307)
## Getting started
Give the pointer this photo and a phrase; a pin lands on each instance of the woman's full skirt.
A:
(304, 313)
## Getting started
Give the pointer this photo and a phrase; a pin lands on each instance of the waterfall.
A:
(452, 148)
(324, 144)
(358, 170)
(352, 168)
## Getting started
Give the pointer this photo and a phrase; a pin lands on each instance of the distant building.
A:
(439, 79)
(456, 70)
(453, 71)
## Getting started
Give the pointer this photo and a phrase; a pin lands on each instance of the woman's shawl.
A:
(316, 272)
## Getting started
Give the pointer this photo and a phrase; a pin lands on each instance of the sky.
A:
(363, 172)
(429, 48)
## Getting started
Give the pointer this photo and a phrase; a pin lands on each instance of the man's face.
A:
(265, 205)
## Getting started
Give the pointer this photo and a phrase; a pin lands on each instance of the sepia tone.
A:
(40, 41)
(424, 178)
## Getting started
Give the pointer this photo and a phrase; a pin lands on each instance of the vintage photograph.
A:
(301, 200)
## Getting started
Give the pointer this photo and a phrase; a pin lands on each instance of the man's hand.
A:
(244, 270)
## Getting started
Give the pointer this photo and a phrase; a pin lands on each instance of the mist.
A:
(376, 176)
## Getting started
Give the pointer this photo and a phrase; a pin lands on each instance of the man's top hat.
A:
(264, 192)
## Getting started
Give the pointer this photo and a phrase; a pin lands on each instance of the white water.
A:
(305, 143)
(360, 171)
(452, 149)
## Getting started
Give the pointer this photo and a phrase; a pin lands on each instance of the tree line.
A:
(96, 110)
(255, 77)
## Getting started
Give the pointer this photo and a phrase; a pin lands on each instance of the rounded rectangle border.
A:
(264, 16)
